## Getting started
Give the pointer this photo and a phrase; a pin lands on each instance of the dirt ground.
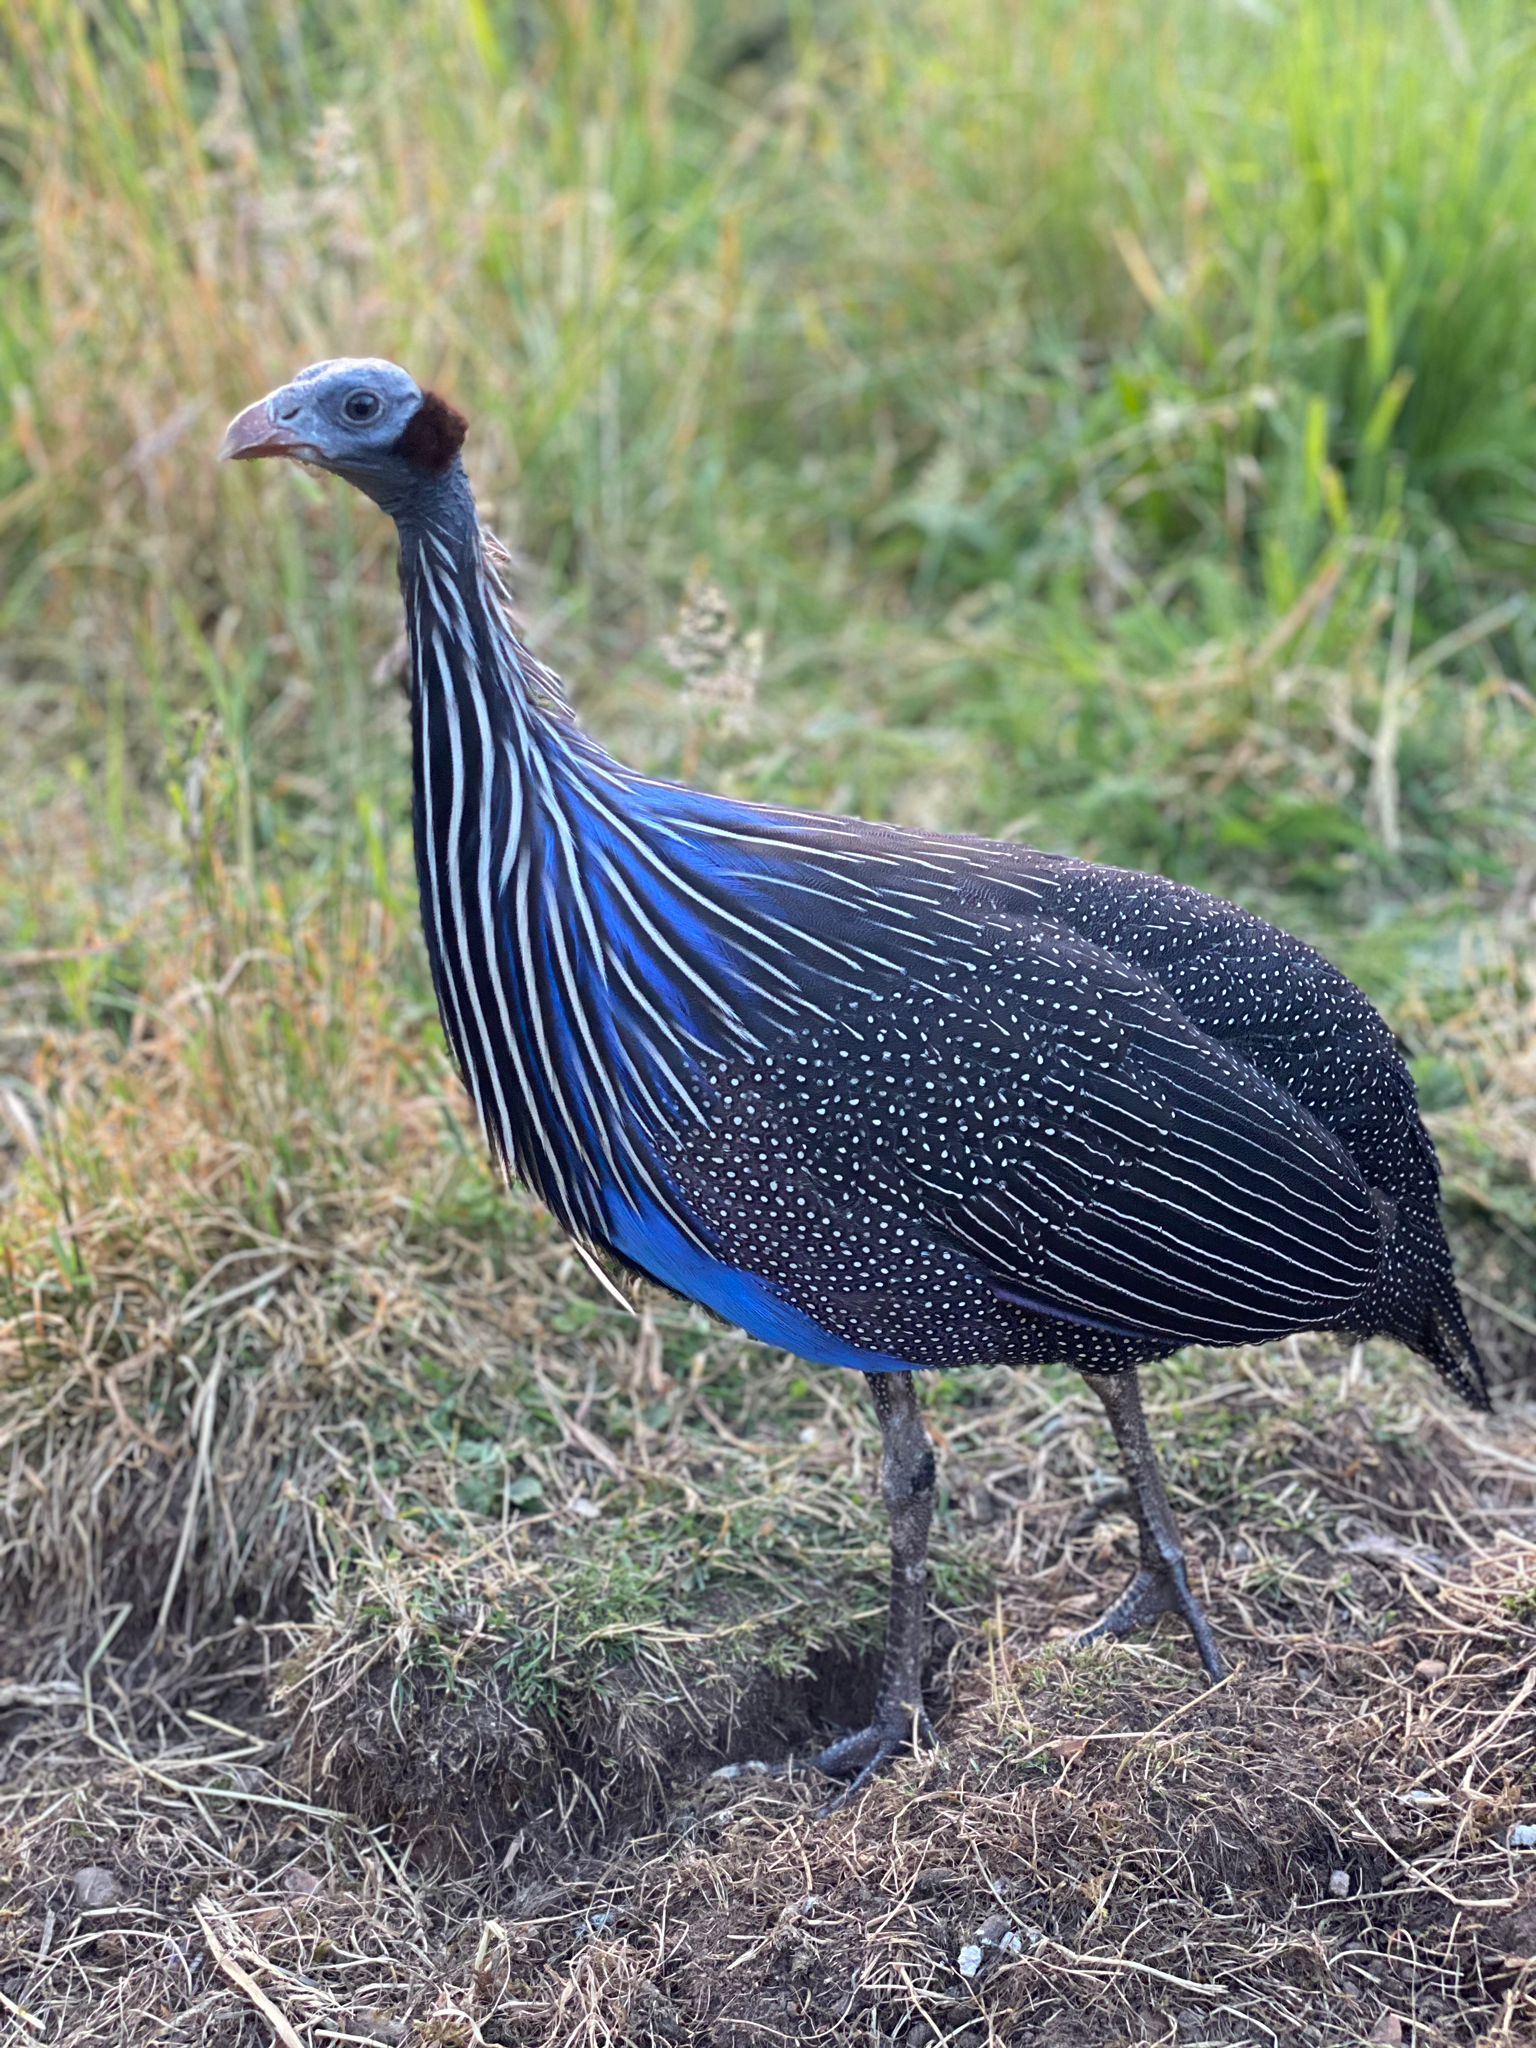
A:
(307, 1829)
(405, 1644)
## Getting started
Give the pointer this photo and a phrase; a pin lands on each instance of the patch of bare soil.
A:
(227, 1848)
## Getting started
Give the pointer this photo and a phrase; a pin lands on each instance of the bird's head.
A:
(362, 419)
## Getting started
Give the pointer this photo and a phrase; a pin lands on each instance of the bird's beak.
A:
(256, 432)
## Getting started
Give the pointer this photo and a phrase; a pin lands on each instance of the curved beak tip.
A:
(255, 432)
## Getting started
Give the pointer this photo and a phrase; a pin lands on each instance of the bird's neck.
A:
(497, 765)
(419, 501)
(591, 939)
(466, 658)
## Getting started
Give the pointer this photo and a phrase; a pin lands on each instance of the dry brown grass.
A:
(1163, 1855)
(383, 1606)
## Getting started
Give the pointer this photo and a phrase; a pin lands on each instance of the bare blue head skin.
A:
(366, 421)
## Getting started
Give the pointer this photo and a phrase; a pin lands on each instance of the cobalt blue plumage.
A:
(886, 1099)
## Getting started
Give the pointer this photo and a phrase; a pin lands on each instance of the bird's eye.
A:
(360, 407)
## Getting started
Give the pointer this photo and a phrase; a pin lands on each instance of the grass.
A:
(1110, 429)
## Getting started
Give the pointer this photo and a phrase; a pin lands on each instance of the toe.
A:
(846, 1795)
(1149, 1594)
(852, 1754)
(867, 1751)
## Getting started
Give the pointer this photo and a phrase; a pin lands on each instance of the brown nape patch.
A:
(435, 434)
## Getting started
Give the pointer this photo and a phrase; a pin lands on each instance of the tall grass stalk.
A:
(1069, 395)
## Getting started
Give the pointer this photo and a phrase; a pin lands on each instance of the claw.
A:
(867, 1751)
(1163, 1589)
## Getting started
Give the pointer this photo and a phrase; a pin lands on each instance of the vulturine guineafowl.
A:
(882, 1098)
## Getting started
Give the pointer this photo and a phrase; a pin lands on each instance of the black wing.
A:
(1072, 1113)
(1157, 1182)
(1055, 1118)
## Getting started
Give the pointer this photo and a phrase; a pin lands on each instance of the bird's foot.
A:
(860, 1757)
(1162, 1588)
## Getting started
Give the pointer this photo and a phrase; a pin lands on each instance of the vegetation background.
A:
(1107, 426)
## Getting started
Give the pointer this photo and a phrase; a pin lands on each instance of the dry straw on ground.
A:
(1134, 1858)
(382, 1604)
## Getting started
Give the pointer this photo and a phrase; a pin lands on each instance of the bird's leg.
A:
(906, 1485)
(1161, 1584)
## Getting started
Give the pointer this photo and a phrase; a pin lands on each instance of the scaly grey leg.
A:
(1161, 1584)
(906, 1484)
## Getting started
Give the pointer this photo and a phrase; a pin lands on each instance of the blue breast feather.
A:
(648, 1239)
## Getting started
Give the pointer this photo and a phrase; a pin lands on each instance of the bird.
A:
(887, 1099)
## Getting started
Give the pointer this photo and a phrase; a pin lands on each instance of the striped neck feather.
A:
(584, 966)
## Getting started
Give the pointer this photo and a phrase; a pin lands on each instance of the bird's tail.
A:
(1431, 1320)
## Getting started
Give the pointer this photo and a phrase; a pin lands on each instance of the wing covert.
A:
(1100, 1159)
(1158, 1183)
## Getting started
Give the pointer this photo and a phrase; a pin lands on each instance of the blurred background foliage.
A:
(1106, 426)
